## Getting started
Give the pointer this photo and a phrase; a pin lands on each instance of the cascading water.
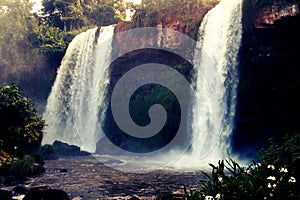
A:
(215, 60)
(73, 107)
(72, 111)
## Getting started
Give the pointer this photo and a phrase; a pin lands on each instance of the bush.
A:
(275, 177)
(230, 181)
(21, 130)
(21, 167)
(283, 152)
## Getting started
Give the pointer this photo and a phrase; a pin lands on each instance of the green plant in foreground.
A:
(275, 177)
(230, 181)
(283, 152)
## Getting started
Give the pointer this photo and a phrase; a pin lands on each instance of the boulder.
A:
(48, 152)
(38, 168)
(46, 193)
(64, 149)
(5, 194)
(20, 189)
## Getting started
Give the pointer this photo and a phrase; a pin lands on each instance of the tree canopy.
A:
(69, 15)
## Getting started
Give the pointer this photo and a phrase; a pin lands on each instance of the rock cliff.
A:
(268, 100)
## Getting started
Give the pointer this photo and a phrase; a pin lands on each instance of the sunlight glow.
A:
(133, 1)
(37, 6)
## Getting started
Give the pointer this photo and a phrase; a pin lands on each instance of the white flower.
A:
(248, 171)
(218, 196)
(272, 186)
(271, 178)
(292, 180)
(209, 198)
(271, 167)
(220, 179)
(215, 170)
(257, 165)
(283, 170)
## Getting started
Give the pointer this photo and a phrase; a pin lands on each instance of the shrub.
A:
(21, 130)
(21, 167)
(257, 181)
(275, 177)
(283, 152)
(230, 181)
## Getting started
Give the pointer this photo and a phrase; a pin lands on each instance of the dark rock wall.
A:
(268, 93)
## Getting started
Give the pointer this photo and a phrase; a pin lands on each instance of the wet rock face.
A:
(266, 16)
(187, 24)
(268, 100)
(163, 37)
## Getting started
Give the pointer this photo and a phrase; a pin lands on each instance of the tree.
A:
(49, 40)
(65, 14)
(16, 51)
(69, 15)
(51, 14)
(21, 128)
(104, 15)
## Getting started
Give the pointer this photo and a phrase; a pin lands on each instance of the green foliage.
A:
(65, 14)
(21, 128)
(16, 51)
(276, 177)
(49, 40)
(69, 15)
(22, 167)
(284, 152)
(21, 132)
(231, 181)
(37, 157)
(104, 15)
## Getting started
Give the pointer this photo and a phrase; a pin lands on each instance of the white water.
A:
(79, 90)
(215, 60)
(72, 111)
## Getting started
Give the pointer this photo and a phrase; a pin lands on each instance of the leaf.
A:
(208, 176)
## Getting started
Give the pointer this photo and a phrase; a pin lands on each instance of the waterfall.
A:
(74, 107)
(77, 96)
(215, 61)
